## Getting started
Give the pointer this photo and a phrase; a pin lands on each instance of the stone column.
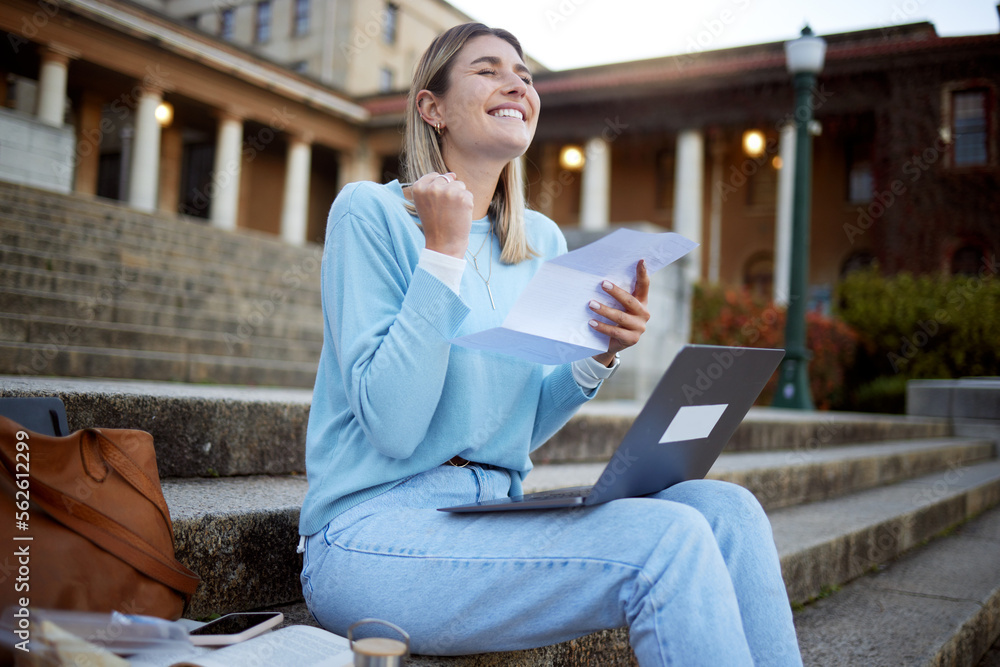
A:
(52, 78)
(551, 186)
(144, 172)
(89, 135)
(595, 192)
(362, 164)
(783, 217)
(225, 186)
(126, 136)
(170, 169)
(717, 148)
(688, 191)
(295, 205)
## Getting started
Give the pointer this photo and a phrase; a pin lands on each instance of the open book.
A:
(550, 322)
(291, 646)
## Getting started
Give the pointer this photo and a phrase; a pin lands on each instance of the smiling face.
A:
(490, 109)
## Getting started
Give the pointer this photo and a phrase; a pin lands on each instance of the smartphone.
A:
(235, 628)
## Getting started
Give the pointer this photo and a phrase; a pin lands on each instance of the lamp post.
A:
(804, 57)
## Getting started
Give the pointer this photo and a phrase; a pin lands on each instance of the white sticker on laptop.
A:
(693, 422)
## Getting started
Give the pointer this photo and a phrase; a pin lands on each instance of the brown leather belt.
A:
(457, 461)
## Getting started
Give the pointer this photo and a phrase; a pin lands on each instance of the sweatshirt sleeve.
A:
(560, 397)
(389, 323)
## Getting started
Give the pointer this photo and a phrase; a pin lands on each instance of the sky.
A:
(564, 34)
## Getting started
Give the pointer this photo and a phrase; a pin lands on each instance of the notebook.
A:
(677, 436)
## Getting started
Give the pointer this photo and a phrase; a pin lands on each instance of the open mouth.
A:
(507, 113)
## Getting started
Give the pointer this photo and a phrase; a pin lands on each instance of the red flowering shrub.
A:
(728, 316)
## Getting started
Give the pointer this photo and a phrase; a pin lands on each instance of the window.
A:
(391, 22)
(970, 131)
(860, 185)
(301, 17)
(385, 80)
(227, 21)
(262, 33)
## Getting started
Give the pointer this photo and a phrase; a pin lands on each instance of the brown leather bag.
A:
(85, 524)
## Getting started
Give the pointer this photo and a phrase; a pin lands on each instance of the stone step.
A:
(255, 318)
(198, 430)
(66, 220)
(153, 246)
(182, 418)
(102, 215)
(166, 288)
(939, 605)
(169, 245)
(239, 534)
(79, 361)
(603, 424)
(298, 283)
(785, 478)
(38, 330)
(831, 542)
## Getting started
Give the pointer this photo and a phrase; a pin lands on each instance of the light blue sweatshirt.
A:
(393, 397)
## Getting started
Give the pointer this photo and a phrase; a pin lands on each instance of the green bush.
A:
(924, 326)
(726, 316)
(884, 394)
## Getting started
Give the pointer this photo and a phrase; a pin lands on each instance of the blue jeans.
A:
(692, 571)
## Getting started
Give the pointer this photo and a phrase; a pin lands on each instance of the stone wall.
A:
(33, 153)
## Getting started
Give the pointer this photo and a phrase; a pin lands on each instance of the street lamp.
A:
(804, 57)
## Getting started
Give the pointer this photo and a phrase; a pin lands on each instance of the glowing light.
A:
(776, 162)
(753, 143)
(572, 158)
(164, 114)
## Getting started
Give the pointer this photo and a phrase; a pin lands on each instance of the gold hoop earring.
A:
(437, 128)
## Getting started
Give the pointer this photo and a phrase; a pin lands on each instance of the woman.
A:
(402, 422)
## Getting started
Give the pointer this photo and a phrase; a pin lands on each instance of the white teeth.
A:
(510, 113)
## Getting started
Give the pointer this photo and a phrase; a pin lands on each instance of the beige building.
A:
(359, 46)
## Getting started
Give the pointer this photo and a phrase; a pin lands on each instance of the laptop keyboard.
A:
(575, 492)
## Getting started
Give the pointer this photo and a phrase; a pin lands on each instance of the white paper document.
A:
(550, 322)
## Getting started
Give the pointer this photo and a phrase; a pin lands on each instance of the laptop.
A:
(677, 436)
(42, 414)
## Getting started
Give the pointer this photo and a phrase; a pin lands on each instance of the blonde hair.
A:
(422, 147)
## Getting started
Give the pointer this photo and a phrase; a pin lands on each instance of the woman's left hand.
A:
(629, 321)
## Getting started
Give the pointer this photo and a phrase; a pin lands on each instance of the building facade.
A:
(905, 168)
(905, 148)
(361, 47)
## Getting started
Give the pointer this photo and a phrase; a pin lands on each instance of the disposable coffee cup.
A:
(379, 651)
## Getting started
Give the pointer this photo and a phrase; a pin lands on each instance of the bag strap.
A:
(132, 473)
(113, 537)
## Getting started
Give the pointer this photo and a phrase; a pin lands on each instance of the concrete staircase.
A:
(89, 288)
(887, 527)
